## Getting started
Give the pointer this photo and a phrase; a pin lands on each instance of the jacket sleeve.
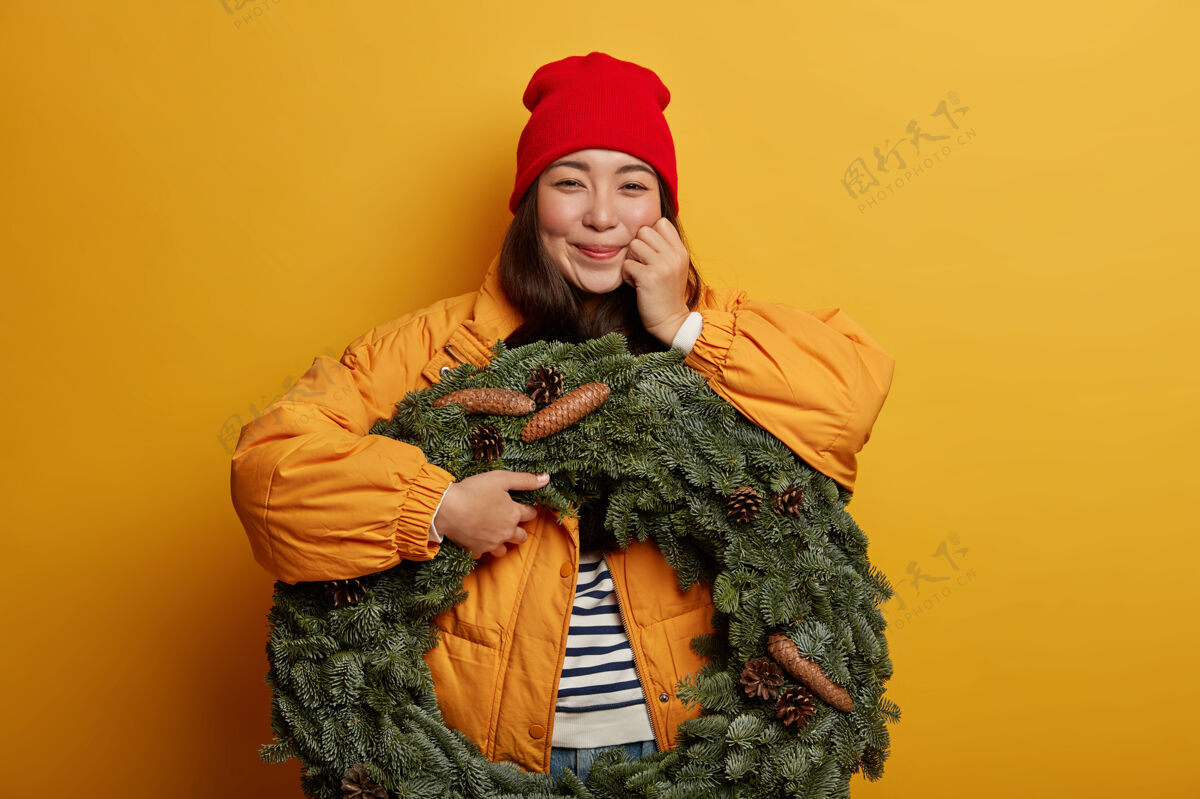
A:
(320, 499)
(814, 379)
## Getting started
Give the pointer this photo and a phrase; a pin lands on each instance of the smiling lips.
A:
(598, 253)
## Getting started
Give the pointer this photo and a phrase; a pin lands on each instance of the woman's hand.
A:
(478, 514)
(658, 270)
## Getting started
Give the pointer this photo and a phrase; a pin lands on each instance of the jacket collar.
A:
(493, 318)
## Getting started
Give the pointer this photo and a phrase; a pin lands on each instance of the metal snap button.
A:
(663, 697)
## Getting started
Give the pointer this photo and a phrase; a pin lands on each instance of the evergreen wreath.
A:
(353, 699)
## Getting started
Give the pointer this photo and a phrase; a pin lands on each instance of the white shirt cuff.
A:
(688, 332)
(434, 536)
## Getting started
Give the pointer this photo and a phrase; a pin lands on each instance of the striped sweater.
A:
(600, 699)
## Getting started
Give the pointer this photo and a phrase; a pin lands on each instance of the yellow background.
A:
(197, 203)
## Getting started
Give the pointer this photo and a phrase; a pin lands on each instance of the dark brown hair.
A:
(552, 308)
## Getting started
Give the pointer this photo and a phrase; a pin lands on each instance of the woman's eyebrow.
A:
(584, 167)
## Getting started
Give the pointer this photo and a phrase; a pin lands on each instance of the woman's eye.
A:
(573, 182)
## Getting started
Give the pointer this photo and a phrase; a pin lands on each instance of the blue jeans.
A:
(580, 760)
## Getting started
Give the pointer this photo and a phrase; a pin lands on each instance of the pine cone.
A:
(545, 384)
(872, 760)
(345, 592)
(789, 502)
(357, 785)
(795, 706)
(787, 654)
(565, 411)
(498, 401)
(761, 678)
(487, 442)
(743, 505)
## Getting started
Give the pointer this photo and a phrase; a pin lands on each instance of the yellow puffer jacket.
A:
(320, 499)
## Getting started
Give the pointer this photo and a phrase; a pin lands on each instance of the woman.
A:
(565, 645)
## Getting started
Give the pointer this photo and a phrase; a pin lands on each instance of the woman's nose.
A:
(601, 214)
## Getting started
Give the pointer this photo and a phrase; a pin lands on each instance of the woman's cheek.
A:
(646, 217)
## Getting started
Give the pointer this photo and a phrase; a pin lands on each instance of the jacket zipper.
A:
(636, 668)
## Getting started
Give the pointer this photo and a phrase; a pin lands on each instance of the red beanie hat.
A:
(590, 101)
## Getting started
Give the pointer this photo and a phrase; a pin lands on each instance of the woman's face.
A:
(591, 204)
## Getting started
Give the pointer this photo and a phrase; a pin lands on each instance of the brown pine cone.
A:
(795, 706)
(357, 785)
(345, 592)
(545, 384)
(761, 678)
(787, 654)
(743, 505)
(789, 502)
(487, 442)
(565, 411)
(497, 401)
